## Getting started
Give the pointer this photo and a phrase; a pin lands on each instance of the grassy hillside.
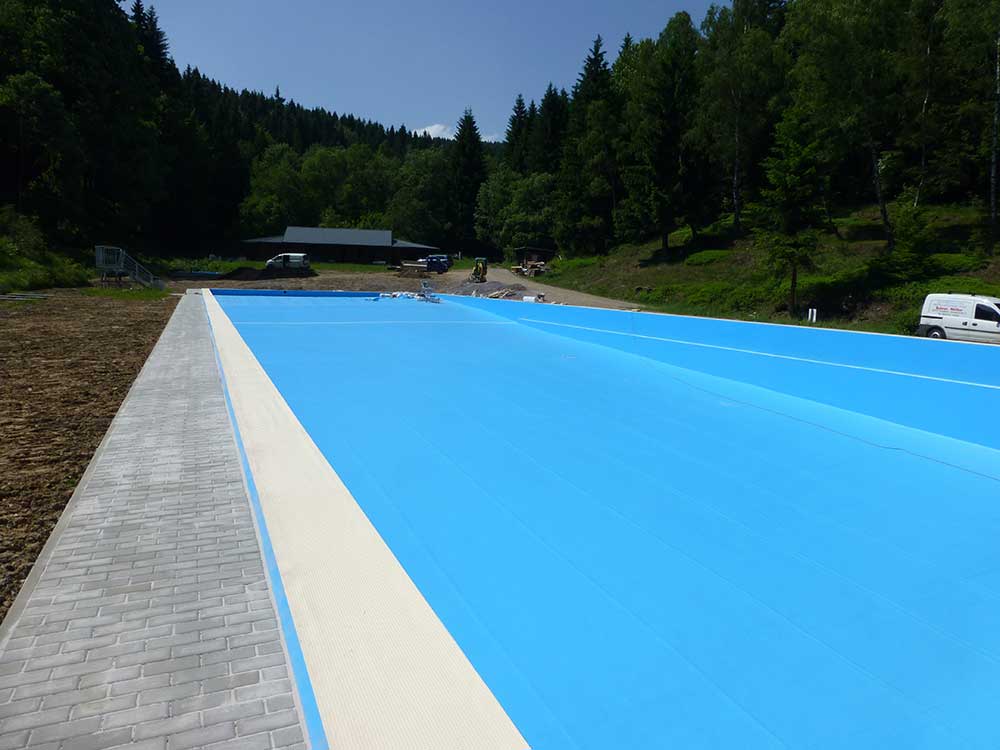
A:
(27, 262)
(850, 280)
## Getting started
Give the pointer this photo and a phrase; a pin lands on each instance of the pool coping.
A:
(305, 695)
(355, 612)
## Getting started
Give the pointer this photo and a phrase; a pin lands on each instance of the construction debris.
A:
(504, 293)
(530, 268)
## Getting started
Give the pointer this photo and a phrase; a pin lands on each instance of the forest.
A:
(759, 127)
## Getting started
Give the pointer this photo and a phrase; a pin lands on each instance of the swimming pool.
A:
(647, 531)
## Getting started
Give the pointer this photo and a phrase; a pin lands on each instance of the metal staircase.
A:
(116, 263)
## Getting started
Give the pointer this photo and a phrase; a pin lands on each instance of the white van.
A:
(963, 317)
(288, 260)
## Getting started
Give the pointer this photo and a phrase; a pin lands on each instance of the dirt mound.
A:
(243, 273)
(247, 273)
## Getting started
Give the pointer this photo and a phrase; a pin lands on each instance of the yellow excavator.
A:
(478, 275)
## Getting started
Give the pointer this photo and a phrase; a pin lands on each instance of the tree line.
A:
(105, 140)
(770, 113)
(767, 116)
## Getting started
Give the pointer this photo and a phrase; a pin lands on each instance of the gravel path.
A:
(555, 293)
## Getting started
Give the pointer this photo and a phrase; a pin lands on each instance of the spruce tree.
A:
(530, 125)
(469, 170)
(157, 45)
(516, 143)
(594, 83)
(588, 175)
(138, 16)
(546, 139)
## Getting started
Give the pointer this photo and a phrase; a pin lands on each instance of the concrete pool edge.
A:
(385, 671)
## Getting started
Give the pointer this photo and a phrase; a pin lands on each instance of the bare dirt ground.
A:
(453, 282)
(66, 363)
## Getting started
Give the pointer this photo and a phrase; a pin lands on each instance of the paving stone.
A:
(109, 676)
(287, 736)
(235, 681)
(264, 690)
(151, 625)
(17, 708)
(169, 693)
(200, 702)
(166, 727)
(103, 739)
(135, 716)
(66, 729)
(103, 707)
(280, 702)
(14, 740)
(34, 719)
(204, 737)
(74, 697)
(51, 687)
(256, 742)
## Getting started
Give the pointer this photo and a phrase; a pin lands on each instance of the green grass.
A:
(168, 266)
(49, 270)
(706, 257)
(140, 293)
(850, 282)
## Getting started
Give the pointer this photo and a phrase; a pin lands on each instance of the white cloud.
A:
(437, 130)
(494, 137)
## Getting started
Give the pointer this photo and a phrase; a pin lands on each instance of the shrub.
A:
(25, 260)
(952, 263)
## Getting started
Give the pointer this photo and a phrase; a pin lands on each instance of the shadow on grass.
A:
(683, 244)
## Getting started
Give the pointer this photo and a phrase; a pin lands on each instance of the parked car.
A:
(291, 262)
(962, 317)
(439, 263)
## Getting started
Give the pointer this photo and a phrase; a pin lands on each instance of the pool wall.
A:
(948, 388)
(288, 293)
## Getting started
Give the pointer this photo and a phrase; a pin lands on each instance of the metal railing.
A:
(113, 260)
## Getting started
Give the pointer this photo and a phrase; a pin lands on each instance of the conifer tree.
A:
(594, 82)
(546, 139)
(137, 15)
(156, 41)
(517, 135)
(588, 175)
(469, 170)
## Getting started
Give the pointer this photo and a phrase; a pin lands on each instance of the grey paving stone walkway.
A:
(148, 621)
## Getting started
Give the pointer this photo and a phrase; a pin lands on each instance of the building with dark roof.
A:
(337, 245)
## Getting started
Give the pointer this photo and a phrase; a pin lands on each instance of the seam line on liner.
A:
(794, 418)
(307, 698)
(766, 354)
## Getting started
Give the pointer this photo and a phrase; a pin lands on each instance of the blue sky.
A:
(413, 63)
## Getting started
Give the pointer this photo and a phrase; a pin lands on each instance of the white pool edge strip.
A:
(385, 671)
